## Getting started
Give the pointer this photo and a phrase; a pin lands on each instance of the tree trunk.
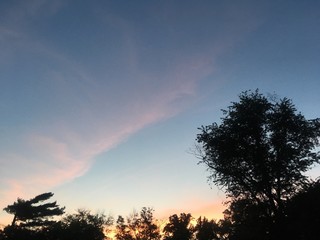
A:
(14, 220)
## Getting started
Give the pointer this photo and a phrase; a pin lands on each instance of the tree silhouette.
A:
(30, 213)
(205, 229)
(249, 220)
(259, 152)
(225, 225)
(178, 227)
(21, 233)
(139, 226)
(82, 225)
(303, 215)
(123, 232)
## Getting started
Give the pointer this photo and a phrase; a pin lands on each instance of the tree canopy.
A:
(179, 227)
(138, 226)
(261, 149)
(206, 229)
(81, 225)
(31, 213)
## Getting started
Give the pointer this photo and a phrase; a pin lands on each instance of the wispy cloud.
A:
(82, 108)
(65, 147)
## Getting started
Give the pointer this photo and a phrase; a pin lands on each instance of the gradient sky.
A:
(101, 100)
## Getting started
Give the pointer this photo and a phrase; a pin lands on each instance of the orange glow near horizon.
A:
(210, 211)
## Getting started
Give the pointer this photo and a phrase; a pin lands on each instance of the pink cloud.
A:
(53, 155)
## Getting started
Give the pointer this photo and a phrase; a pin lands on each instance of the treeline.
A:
(36, 219)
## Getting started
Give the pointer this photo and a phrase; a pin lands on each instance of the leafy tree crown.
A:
(261, 149)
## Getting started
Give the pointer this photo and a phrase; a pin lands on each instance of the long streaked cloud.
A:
(47, 161)
(88, 113)
(52, 154)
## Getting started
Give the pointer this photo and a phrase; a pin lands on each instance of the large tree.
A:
(33, 213)
(260, 150)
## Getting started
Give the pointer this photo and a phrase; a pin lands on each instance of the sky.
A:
(101, 100)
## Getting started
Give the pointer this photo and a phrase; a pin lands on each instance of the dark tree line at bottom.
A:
(257, 154)
(242, 220)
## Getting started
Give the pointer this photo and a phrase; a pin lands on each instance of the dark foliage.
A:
(82, 225)
(30, 213)
(249, 220)
(138, 226)
(302, 215)
(206, 230)
(179, 227)
(225, 226)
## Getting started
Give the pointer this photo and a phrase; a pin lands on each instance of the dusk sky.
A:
(101, 100)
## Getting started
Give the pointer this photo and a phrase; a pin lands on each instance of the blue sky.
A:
(101, 100)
